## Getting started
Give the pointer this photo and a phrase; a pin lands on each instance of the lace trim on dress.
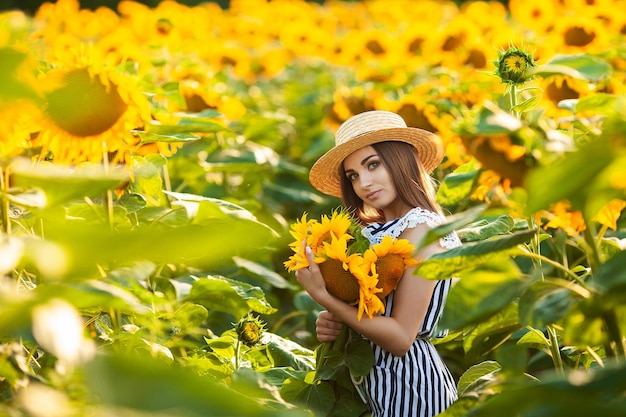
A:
(414, 217)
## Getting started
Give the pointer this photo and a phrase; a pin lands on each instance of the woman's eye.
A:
(352, 177)
(373, 165)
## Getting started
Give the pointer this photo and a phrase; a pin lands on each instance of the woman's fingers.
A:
(327, 327)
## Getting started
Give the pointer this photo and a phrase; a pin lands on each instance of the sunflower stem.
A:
(513, 97)
(555, 350)
(237, 353)
(108, 200)
(4, 207)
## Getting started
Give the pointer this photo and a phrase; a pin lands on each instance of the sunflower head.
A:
(514, 66)
(339, 281)
(391, 257)
(84, 105)
(249, 330)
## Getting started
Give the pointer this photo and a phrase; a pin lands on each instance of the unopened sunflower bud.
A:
(514, 66)
(249, 330)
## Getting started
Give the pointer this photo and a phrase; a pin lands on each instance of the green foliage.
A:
(162, 261)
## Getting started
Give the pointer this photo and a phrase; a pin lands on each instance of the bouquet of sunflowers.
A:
(354, 271)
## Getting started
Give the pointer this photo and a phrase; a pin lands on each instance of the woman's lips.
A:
(373, 195)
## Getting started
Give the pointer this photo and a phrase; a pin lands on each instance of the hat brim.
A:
(324, 174)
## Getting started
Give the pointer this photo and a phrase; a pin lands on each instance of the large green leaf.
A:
(230, 296)
(453, 223)
(61, 184)
(151, 386)
(490, 333)
(580, 66)
(486, 229)
(16, 308)
(286, 353)
(597, 392)
(264, 273)
(477, 376)
(359, 357)
(582, 177)
(545, 303)
(318, 396)
(86, 246)
(482, 292)
(457, 185)
(451, 262)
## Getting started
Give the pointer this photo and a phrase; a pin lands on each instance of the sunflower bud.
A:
(514, 66)
(249, 330)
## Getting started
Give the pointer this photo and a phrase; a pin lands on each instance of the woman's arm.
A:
(397, 332)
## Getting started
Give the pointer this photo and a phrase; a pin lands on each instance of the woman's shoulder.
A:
(414, 217)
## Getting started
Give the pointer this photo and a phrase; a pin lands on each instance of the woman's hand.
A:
(312, 280)
(327, 326)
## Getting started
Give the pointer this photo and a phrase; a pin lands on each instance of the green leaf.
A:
(580, 66)
(230, 296)
(151, 386)
(527, 104)
(85, 246)
(62, 184)
(598, 103)
(494, 121)
(503, 224)
(165, 138)
(185, 126)
(544, 303)
(223, 346)
(359, 357)
(596, 392)
(482, 292)
(318, 396)
(132, 202)
(611, 276)
(534, 339)
(477, 376)
(451, 262)
(452, 223)
(490, 333)
(457, 185)
(266, 274)
(287, 353)
(569, 178)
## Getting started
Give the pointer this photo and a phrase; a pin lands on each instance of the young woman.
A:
(380, 168)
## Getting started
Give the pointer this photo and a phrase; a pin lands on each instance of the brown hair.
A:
(413, 185)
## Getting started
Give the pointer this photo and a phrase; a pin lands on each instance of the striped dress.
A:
(417, 384)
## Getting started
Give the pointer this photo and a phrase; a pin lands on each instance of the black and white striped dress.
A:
(417, 384)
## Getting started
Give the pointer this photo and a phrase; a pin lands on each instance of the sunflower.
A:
(391, 257)
(300, 232)
(538, 15)
(336, 226)
(561, 216)
(340, 270)
(90, 111)
(370, 302)
(608, 215)
(579, 33)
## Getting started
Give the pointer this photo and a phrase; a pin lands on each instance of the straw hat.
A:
(365, 129)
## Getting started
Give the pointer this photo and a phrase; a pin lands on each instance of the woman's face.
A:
(370, 180)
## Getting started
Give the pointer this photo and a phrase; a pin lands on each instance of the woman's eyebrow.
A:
(368, 158)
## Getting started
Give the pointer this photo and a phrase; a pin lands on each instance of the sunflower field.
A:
(154, 159)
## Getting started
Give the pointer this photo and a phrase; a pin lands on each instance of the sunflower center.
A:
(339, 282)
(84, 106)
(390, 269)
(578, 36)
